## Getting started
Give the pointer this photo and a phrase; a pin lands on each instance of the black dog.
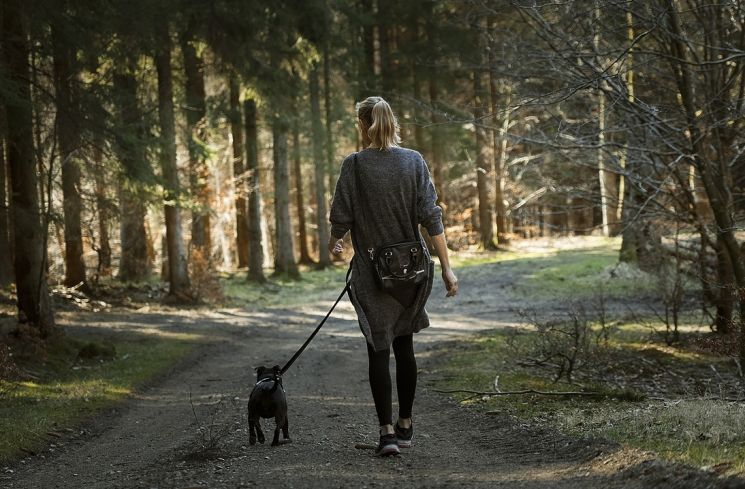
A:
(267, 400)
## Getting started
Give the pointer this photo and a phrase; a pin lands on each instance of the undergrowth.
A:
(699, 429)
(75, 377)
(668, 398)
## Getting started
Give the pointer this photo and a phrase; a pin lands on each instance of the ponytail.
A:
(383, 128)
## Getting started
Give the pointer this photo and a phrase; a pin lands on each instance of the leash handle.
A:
(318, 328)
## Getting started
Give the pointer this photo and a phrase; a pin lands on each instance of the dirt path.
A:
(152, 441)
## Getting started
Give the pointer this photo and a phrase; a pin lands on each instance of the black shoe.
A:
(404, 435)
(387, 446)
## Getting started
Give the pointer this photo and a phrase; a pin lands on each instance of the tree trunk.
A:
(499, 143)
(486, 232)
(299, 199)
(416, 85)
(725, 296)
(239, 177)
(712, 180)
(135, 263)
(438, 173)
(368, 81)
(323, 227)
(178, 269)
(606, 180)
(255, 246)
(284, 258)
(629, 235)
(383, 25)
(318, 164)
(6, 255)
(629, 82)
(102, 208)
(34, 304)
(196, 136)
(68, 138)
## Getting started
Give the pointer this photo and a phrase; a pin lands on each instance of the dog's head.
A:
(268, 373)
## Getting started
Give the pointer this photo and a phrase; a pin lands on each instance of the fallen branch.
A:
(525, 391)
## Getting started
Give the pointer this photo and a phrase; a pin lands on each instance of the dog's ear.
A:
(260, 370)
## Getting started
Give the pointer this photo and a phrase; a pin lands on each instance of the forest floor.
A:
(188, 428)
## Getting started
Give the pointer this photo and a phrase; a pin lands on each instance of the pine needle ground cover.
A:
(680, 400)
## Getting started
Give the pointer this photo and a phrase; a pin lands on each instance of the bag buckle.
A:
(371, 251)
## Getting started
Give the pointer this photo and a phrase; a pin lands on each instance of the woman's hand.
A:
(336, 246)
(451, 282)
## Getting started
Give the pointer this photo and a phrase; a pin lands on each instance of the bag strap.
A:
(358, 191)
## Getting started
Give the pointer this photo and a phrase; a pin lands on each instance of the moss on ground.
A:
(283, 291)
(67, 388)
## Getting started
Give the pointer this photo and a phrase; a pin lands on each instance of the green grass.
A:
(466, 260)
(68, 390)
(573, 271)
(579, 273)
(282, 291)
(699, 432)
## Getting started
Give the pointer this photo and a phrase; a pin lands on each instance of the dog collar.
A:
(269, 379)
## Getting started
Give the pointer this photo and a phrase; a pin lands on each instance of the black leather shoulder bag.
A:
(397, 265)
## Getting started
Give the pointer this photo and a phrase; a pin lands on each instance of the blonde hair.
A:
(382, 125)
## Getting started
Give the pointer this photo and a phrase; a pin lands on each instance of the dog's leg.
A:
(251, 431)
(286, 430)
(259, 433)
(278, 424)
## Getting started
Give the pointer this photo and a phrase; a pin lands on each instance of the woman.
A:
(381, 191)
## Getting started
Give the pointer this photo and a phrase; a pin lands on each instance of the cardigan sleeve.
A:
(342, 210)
(428, 212)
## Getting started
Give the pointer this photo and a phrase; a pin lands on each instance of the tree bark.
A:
(299, 198)
(69, 140)
(499, 143)
(102, 208)
(196, 135)
(239, 170)
(256, 248)
(623, 157)
(318, 164)
(284, 258)
(383, 25)
(34, 305)
(606, 180)
(486, 232)
(436, 153)
(134, 263)
(416, 84)
(178, 270)
(323, 227)
(6, 255)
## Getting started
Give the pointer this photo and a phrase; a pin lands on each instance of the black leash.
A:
(318, 328)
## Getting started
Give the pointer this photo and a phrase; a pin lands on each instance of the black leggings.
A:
(380, 378)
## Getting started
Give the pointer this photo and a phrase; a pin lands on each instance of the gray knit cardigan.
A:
(395, 187)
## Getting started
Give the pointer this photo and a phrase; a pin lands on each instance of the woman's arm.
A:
(341, 214)
(451, 281)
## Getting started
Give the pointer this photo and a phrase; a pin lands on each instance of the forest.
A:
(195, 145)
